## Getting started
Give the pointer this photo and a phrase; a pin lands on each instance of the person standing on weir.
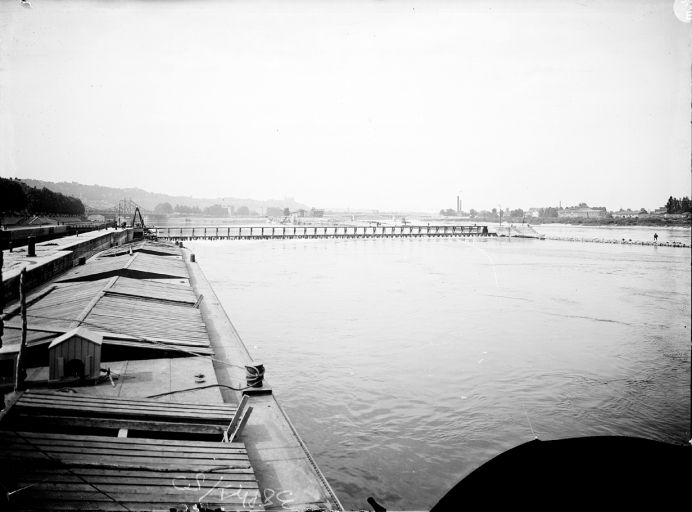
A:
(655, 237)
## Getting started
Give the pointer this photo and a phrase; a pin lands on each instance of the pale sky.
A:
(374, 104)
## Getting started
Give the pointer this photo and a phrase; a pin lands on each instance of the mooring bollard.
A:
(192, 258)
(254, 373)
(31, 246)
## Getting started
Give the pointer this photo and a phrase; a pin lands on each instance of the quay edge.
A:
(55, 257)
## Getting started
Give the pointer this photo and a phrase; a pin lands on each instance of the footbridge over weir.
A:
(291, 232)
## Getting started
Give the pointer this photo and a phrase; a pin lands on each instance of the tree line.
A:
(675, 205)
(215, 210)
(20, 199)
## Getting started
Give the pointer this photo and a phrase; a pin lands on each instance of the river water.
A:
(407, 363)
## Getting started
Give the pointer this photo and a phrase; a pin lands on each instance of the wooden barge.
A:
(166, 421)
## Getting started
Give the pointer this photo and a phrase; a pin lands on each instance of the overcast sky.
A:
(378, 104)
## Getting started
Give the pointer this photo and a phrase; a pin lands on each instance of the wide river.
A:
(407, 363)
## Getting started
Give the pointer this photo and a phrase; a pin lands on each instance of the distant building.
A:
(678, 216)
(577, 212)
(534, 212)
(626, 214)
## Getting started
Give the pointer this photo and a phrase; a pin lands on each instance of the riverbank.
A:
(672, 236)
(622, 241)
(653, 221)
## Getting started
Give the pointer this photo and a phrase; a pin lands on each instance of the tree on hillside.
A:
(13, 196)
(274, 211)
(41, 201)
(190, 210)
(547, 213)
(216, 210)
(163, 208)
(243, 211)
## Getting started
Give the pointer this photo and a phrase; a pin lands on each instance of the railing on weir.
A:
(288, 232)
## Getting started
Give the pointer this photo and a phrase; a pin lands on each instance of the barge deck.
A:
(165, 424)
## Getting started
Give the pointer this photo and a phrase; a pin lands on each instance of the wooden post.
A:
(20, 374)
(2, 301)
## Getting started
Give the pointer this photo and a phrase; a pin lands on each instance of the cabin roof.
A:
(82, 333)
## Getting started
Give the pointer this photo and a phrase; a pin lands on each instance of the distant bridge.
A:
(123, 211)
(292, 232)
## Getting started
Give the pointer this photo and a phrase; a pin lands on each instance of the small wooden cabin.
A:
(77, 353)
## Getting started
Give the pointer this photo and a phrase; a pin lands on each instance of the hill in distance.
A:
(99, 197)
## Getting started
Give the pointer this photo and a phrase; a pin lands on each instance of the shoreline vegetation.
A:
(616, 241)
(23, 201)
(654, 221)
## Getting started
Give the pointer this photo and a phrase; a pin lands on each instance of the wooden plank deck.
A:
(169, 266)
(149, 319)
(147, 247)
(77, 472)
(51, 461)
(139, 264)
(148, 289)
(44, 410)
(97, 406)
(97, 268)
(159, 314)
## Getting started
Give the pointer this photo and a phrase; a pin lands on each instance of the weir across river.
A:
(290, 232)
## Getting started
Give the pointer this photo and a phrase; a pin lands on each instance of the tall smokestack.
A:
(458, 204)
